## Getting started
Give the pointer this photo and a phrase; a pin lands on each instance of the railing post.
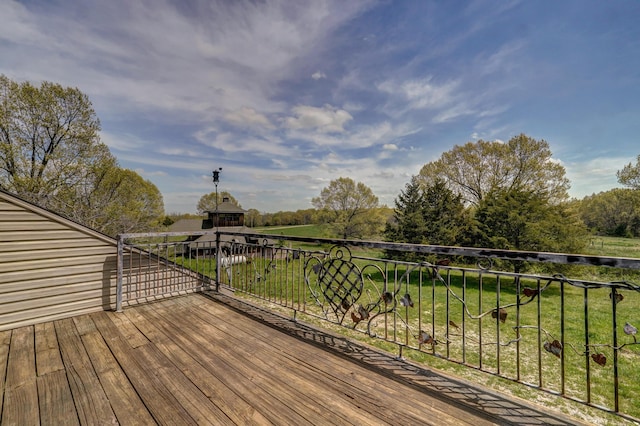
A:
(119, 267)
(217, 260)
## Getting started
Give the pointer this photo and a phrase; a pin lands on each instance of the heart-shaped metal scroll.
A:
(340, 282)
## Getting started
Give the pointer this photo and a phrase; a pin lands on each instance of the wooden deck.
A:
(202, 359)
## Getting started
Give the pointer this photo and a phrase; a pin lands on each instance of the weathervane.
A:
(216, 180)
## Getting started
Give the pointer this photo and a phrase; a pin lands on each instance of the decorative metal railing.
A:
(574, 337)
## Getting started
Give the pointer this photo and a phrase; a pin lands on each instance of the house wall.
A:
(52, 268)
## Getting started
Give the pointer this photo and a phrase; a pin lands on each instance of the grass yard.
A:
(320, 231)
(456, 310)
(597, 245)
(614, 246)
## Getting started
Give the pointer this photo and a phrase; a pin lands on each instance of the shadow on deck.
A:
(212, 359)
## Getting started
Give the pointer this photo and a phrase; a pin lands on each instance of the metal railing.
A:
(573, 337)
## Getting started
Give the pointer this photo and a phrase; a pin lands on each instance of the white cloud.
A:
(248, 117)
(124, 141)
(390, 147)
(149, 174)
(421, 93)
(318, 75)
(327, 119)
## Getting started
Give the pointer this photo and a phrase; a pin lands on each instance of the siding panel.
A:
(52, 268)
(60, 243)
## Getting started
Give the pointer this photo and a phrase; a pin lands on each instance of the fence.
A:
(573, 337)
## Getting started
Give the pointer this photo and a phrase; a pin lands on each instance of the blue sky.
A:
(286, 96)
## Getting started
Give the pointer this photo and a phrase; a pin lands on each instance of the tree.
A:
(615, 212)
(432, 215)
(446, 218)
(630, 175)
(138, 205)
(48, 138)
(207, 202)
(51, 154)
(475, 169)
(523, 220)
(253, 218)
(408, 223)
(350, 205)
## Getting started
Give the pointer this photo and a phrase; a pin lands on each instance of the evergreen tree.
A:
(432, 215)
(408, 223)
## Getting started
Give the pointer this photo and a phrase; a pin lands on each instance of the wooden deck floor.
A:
(196, 360)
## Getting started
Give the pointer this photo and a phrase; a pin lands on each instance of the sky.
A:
(286, 96)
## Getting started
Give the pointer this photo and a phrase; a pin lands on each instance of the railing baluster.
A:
(614, 330)
(464, 317)
(498, 321)
(518, 324)
(546, 341)
(586, 343)
(480, 310)
(562, 339)
(539, 332)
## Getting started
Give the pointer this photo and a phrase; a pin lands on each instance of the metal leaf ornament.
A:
(630, 330)
(425, 338)
(364, 314)
(599, 359)
(502, 314)
(406, 300)
(554, 347)
(619, 297)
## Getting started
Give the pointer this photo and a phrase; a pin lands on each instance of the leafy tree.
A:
(172, 218)
(630, 175)
(350, 206)
(253, 218)
(522, 164)
(139, 206)
(51, 154)
(615, 212)
(48, 139)
(523, 220)
(207, 203)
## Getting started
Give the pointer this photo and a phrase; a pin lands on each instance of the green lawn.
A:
(320, 231)
(597, 246)
(614, 246)
(496, 352)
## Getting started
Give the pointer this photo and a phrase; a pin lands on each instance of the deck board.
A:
(20, 391)
(202, 359)
(90, 399)
(126, 404)
(54, 394)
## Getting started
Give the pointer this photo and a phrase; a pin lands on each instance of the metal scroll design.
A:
(336, 284)
(527, 295)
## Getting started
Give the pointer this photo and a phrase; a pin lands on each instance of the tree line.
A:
(511, 195)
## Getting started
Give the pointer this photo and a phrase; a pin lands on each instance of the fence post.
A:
(119, 267)
(217, 260)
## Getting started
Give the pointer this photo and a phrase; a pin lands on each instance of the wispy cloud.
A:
(327, 119)
(289, 95)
